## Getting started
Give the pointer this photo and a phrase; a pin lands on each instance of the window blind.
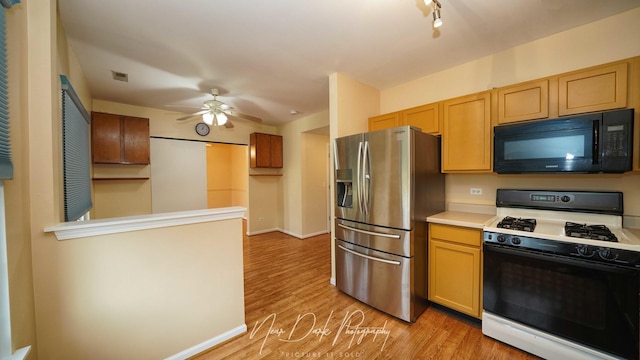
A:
(76, 154)
(6, 167)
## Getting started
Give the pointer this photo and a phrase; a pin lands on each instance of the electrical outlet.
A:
(475, 191)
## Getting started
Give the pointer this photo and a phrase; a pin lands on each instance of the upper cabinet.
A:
(595, 89)
(526, 101)
(467, 136)
(425, 117)
(265, 150)
(118, 139)
(385, 121)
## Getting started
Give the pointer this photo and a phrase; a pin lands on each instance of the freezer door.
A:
(395, 241)
(348, 167)
(381, 280)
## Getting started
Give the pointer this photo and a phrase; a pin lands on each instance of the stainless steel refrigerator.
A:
(387, 183)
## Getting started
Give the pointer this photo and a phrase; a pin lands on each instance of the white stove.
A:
(550, 224)
(561, 275)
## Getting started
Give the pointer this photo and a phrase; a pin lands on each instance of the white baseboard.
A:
(300, 236)
(249, 233)
(203, 346)
(290, 233)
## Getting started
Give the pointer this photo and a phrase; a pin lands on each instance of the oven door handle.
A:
(564, 259)
(392, 262)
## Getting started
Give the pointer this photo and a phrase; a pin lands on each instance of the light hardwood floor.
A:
(293, 312)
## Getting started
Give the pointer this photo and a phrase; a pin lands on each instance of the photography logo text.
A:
(308, 327)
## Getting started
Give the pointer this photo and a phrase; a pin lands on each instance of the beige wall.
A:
(300, 187)
(17, 197)
(145, 294)
(600, 42)
(227, 175)
(315, 190)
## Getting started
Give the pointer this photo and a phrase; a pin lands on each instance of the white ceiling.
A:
(269, 57)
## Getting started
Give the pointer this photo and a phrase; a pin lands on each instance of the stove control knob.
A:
(516, 241)
(585, 250)
(502, 238)
(607, 254)
(565, 198)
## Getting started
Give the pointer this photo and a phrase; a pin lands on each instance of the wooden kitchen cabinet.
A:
(265, 150)
(528, 101)
(384, 121)
(425, 117)
(455, 268)
(118, 139)
(594, 89)
(467, 134)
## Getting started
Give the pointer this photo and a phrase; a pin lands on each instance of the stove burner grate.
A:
(521, 224)
(592, 232)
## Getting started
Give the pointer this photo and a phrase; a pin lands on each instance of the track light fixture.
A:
(437, 19)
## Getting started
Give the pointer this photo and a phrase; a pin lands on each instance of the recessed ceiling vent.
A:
(120, 76)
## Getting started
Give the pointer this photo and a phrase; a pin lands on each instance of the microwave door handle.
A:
(596, 142)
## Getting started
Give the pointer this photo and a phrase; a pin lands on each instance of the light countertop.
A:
(461, 218)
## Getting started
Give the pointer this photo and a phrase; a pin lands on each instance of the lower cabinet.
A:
(455, 264)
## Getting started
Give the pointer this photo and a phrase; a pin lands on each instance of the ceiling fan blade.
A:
(242, 116)
(229, 125)
(187, 117)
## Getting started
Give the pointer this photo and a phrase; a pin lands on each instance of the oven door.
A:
(589, 303)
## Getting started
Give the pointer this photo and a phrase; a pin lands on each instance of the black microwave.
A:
(590, 143)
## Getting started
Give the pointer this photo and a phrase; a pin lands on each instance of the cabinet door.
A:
(265, 150)
(106, 132)
(467, 137)
(597, 89)
(262, 158)
(454, 276)
(523, 102)
(425, 117)
(276, 151)
(385, 121)
(135, 140)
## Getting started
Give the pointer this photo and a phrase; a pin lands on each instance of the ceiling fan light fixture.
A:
(208, 118)
(221, 118)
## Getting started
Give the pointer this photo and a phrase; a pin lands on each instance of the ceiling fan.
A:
(216, 113)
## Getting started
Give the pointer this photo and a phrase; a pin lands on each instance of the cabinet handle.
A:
(392, 262)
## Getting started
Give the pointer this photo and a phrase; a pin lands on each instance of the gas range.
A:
(558, 291)
(575, 223)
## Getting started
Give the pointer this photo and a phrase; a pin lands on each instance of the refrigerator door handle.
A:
(392, 236)
(358, 182)
(392, 262)
(365, 177)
